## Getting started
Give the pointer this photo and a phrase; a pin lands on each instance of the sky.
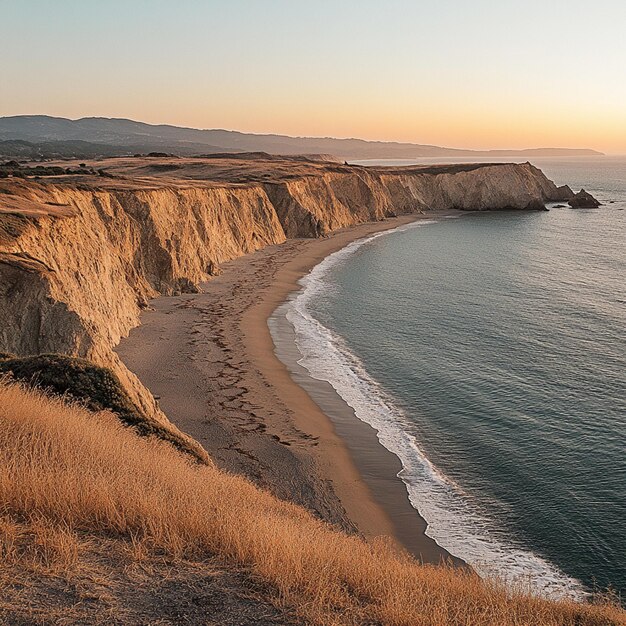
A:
(460, 73)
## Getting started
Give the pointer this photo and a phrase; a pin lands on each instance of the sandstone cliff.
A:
(79, 260)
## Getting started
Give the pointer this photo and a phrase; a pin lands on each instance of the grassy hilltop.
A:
(97, 522)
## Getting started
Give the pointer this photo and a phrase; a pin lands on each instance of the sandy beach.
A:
(210, 360)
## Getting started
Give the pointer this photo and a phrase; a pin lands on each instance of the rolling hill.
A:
(99, 136)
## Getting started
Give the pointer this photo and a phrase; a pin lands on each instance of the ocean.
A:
(489, 353)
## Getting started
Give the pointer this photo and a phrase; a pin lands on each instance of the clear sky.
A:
(461, 73)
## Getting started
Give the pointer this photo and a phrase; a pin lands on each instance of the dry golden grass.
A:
(65, 472)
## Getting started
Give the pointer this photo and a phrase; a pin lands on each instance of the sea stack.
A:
(583, 200)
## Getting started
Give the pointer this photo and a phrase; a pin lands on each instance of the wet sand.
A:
(211, 361)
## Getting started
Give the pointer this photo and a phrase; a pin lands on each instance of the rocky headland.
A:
(83, 251)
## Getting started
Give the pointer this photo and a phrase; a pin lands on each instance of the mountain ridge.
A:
(130, 135)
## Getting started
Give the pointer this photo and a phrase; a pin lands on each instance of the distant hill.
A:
(79, 149)
(100, 136)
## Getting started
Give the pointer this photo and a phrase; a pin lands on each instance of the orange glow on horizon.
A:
(471, 128)
(479, 126)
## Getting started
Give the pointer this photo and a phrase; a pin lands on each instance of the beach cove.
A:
(210, 360)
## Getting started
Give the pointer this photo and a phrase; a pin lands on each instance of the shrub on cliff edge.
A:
(95, 387)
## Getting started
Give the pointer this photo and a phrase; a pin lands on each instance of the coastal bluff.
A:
(82, 253)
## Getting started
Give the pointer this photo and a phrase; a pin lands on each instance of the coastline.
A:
(210, 359)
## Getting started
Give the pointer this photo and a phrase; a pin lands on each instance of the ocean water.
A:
(489, 353)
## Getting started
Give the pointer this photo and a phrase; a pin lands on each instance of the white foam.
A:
(454, 521)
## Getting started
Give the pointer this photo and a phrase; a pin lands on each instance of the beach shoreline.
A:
(211, 360)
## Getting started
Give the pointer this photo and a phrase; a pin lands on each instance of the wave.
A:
(453, 520)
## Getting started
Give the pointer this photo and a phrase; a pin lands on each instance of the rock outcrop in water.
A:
(583, 200)
(80, 257)
(564, 193)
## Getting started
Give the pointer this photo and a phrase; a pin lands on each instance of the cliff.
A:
(81, 255)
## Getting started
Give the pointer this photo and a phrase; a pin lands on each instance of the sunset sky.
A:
(467, 74)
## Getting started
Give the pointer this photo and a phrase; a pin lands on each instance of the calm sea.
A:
(489, 352)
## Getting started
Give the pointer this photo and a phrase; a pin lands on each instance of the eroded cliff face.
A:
(79, 262)
(74, 282)
(311, 206)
